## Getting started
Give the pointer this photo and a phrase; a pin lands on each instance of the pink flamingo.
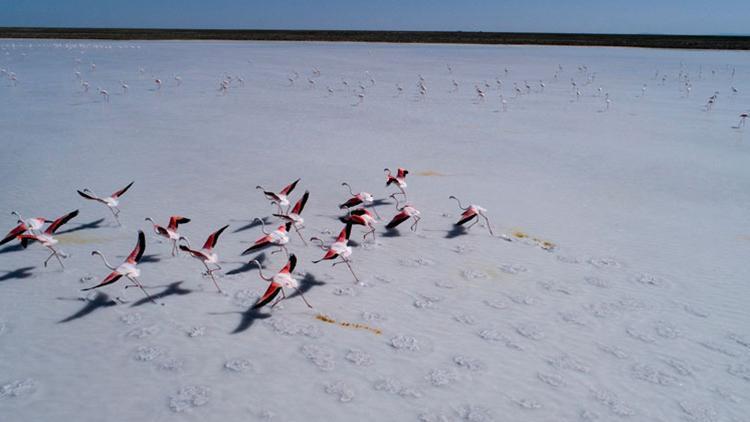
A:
(281, 199)
(405, 212)
(206, 254)
(278, 237)
(128, 268)
(31, 225)
(282, 279)
(294, 217)
(471, 212)
(46, 238)
(170, 232)
(399, 180)
(111, 201)
(338, 249)
(362, 217)
(364, 198)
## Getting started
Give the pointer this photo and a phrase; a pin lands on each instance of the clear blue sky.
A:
(596, 16)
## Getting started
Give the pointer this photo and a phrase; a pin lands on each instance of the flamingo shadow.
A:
(391, 233)
(85, 226)
(306, 284)
(11, 248)
(252, 224)
(172, 289)
(100, 301)
(23, 272)
(248, 318)
(150, 259)
(250, 265)
(456, 231)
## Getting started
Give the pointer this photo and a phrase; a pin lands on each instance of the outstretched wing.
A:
(176, 220)
(213, 238)
(351, 202)
(402, 172)
(290, 187)
(300, 205)
(289, 267)
(397, 219)
(111, 278)
(268, 296)
(140, 247)
(259, 244)
(466, 216)
(18, 230)
(91, 197)
(60, 221)
(122, 191)
(345, 233)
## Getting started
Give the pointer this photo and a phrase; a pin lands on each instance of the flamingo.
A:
(399, 179)
(157, 81)
(294, 217)
(278, 237)
(743, 117)
(46, 238)
(111, 201)
(127, 268)
(338, 249)
(282, 279)
(281, 199)
(471, 212)
(170, 232)
(104, 93)
(364, 198)
(362, 217)
(31, 225)
(405, 212)
(207, 255)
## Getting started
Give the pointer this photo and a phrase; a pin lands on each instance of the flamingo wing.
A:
(397, 219)
(91, 197)
(345, 233)
(60, 221)
(259, 244)
(111, 278)
(140, 247)
(300, 205)
(193, 252)
(289, 188)
(122, 191)
(402, 173)
(289, 267)
(272, 291)
(330, 254)
(25, 239)
(18, 230)
(351, 202)
(213, 238)
(176, 220)
(466, 216)
(161, 230)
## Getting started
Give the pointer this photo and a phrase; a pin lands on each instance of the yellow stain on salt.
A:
(346, 324)
(429, 173)
(544, 244)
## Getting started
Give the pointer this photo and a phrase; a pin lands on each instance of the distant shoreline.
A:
(708, 42)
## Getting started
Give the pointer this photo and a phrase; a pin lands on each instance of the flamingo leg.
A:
(352, 271)
(300, 235)
(414, 226)
(210, 272)
(134, 280)
(472, 224)
(489, 226)
(283, 296)
(115, 214)
(303, 297)
(55, 254)
(374, 208)
(174, 248)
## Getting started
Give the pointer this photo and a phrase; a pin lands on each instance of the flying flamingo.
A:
(278, 237)
(338, 249)
(399, 179)
(127, 268)
(157, 81)
(31, 225)
(362, 217)
(364, 198)
(294, 217)
(170, 232)
(111, 201)
(281, 199)
(104, 93)
(46, 238)
(471, 212)
(405, 212)
(282, 279)
(207, 255)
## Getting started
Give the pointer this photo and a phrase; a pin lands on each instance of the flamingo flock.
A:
(359, 207)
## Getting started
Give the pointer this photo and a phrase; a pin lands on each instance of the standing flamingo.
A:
(31, 225)
(399, 179)
(207, 255)
(46, 238)
(743, 117)
(281, 199)
(278, 237)
(282, 279)
(111, 201)
(294, 217)
(127, 268)
(338, 249)
(364, 198)
(471, 212)
(404, 213)
(170, 232)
